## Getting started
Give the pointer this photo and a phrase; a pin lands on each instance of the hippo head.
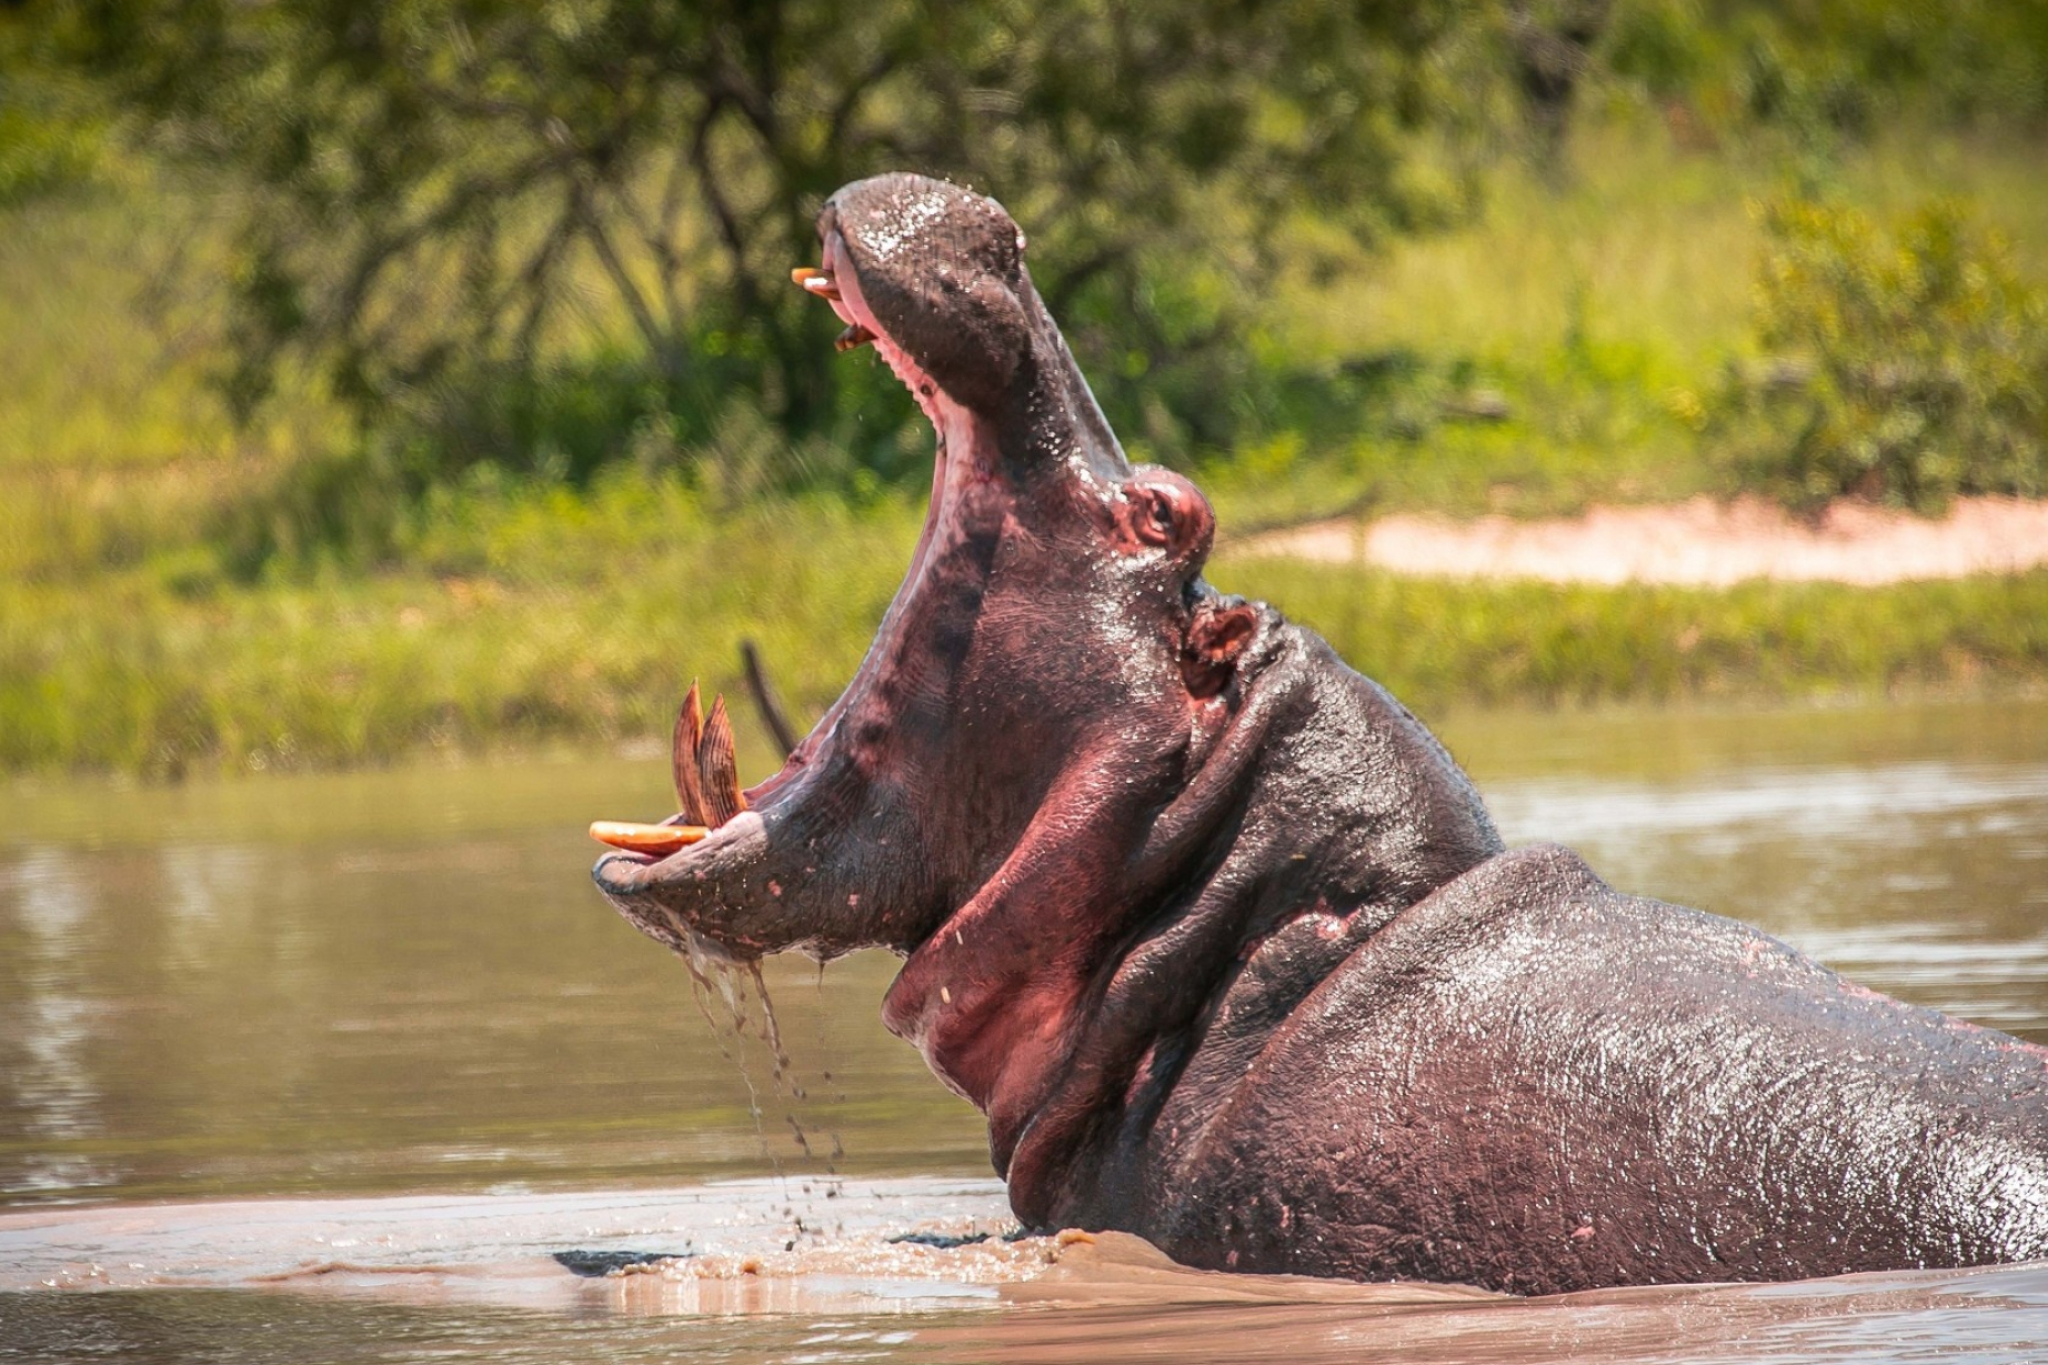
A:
(1045, 763)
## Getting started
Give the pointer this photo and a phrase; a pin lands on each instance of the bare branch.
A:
(1061, 295)
(765, 700)
(659, 343)
(850, 101)
(533, 279)
(729, 229)
(581, 178)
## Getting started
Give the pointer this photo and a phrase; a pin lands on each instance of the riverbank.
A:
(1700, 542)
(541, 618)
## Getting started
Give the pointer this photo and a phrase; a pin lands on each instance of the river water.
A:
(390, 1006)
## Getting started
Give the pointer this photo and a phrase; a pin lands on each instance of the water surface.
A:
(402, 982)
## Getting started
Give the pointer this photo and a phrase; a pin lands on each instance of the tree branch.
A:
(729, 229)
(1071, 282)
(766, 701)
(659, 343)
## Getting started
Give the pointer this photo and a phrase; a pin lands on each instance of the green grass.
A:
(516, 614)
(533, 617)
(1440, 644)
(521, 619)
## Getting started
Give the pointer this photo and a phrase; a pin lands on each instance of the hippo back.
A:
(1532, 1082)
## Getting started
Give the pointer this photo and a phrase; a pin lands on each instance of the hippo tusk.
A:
(820, 282)
(719, 767)
(815, 281)
(707, 784)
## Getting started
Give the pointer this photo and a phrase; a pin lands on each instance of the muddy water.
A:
(353, 988)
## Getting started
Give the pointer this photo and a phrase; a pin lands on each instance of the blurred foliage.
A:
(532, 613)
(527, 612)
(1845, 65)
(447, 205)
(1550, 50)
(52, 129)
(1912, 362)
(530, 420)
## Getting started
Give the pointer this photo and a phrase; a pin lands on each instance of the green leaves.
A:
(433, 190)
(1914, 359)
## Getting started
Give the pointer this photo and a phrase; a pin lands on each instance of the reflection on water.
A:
(59, 1102)
(755, 1274)
(394, 981)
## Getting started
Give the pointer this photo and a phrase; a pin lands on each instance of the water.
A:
(402, 983)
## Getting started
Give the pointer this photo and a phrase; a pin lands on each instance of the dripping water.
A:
(706, 775)
(721, 985)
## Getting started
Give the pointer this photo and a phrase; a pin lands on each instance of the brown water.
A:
(402, 983)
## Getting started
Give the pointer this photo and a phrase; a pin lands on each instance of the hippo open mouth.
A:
(708, 841)
(1223, 941)
(1034, 513)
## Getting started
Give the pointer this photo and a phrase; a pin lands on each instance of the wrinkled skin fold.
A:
(1224, 943)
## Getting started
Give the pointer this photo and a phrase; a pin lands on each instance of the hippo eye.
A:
(1154, 522)
(1161, 509)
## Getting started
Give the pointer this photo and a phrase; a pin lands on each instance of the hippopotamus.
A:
(1223, 941)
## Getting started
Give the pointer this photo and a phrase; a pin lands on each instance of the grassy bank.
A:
(135, 635)
(534, 617)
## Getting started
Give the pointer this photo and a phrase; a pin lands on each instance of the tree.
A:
(431, 192)
(1550, 44)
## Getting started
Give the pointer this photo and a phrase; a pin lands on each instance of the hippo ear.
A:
(1217, 634)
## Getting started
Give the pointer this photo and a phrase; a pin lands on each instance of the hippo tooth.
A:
(816, 281)
(854, 335)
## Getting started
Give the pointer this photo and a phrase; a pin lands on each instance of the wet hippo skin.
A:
(1224, 943)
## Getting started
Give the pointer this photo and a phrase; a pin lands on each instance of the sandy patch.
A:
(1698, 542)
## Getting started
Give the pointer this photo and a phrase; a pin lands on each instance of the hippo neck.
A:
(1231, 909)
